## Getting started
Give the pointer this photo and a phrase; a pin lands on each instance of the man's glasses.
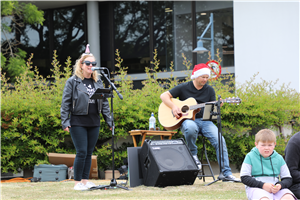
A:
(89, 62)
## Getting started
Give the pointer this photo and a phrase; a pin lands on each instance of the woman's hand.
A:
(67, 128)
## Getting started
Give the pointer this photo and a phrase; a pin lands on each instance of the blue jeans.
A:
(84, 139)
(190, 130)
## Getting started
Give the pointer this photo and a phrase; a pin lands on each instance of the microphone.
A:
(100, 68)
(119, 94)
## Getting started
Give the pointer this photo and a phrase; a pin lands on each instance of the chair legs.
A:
(202, 173)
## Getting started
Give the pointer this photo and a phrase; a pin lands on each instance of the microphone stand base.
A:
(113, 185)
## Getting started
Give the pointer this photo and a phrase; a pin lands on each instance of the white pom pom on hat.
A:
(199, 70)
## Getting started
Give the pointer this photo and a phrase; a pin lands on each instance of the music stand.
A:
(101, 94)
(208, 109)
(212, 111)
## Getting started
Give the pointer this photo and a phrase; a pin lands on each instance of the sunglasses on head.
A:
(89, 62)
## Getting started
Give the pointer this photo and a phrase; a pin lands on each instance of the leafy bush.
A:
(30, 118)
(31, 125)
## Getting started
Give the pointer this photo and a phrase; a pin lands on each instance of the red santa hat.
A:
(199, 70)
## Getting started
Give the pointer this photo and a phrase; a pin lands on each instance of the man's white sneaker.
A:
(89, 185)
(231, 178)
(80, 186)
(198, 163)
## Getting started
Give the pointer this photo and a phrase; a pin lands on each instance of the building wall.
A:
(267, 41)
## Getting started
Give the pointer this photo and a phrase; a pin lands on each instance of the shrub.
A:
(30, 118)
(31, 125)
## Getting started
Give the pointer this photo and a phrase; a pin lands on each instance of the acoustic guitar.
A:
(188, 108)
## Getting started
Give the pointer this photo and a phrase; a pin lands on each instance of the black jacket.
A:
(292, 157)
(75, 101)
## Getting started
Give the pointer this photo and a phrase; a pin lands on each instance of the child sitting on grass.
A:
(262, 167)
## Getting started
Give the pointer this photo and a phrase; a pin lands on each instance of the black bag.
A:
(46, 172)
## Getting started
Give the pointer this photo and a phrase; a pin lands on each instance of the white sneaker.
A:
(80, 186)
(197, 161)
(231, 178)
(89, 185)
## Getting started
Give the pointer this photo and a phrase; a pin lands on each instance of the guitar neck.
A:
(201, 105)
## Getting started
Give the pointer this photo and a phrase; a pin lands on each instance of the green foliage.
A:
(16, 14)
(26, 11)
(105, 156)
(281, 143)
(31, 125)
(32, 15)
(3, 60)
(16, 65)
(262, 106)
(7, 7)
(30, 118)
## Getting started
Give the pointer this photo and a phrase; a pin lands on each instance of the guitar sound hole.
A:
(184, 109)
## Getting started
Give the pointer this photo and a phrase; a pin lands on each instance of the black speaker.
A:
(135, 176)
(167, 163)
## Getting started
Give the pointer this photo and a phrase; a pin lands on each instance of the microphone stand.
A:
(220, 139)
(113, 184)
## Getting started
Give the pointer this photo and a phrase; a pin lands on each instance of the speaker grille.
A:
(170, 157)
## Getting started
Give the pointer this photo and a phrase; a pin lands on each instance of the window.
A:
(131, 27)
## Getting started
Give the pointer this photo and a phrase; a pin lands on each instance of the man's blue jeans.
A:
(190, 130)
(84, 139)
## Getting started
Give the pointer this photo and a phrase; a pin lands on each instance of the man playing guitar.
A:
(198, 89)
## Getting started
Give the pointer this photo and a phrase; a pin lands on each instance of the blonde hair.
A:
(78, 70)
(265, 135)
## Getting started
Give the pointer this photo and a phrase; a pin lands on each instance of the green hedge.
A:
(31, 125)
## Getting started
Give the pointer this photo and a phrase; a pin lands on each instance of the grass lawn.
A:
(64, 190)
